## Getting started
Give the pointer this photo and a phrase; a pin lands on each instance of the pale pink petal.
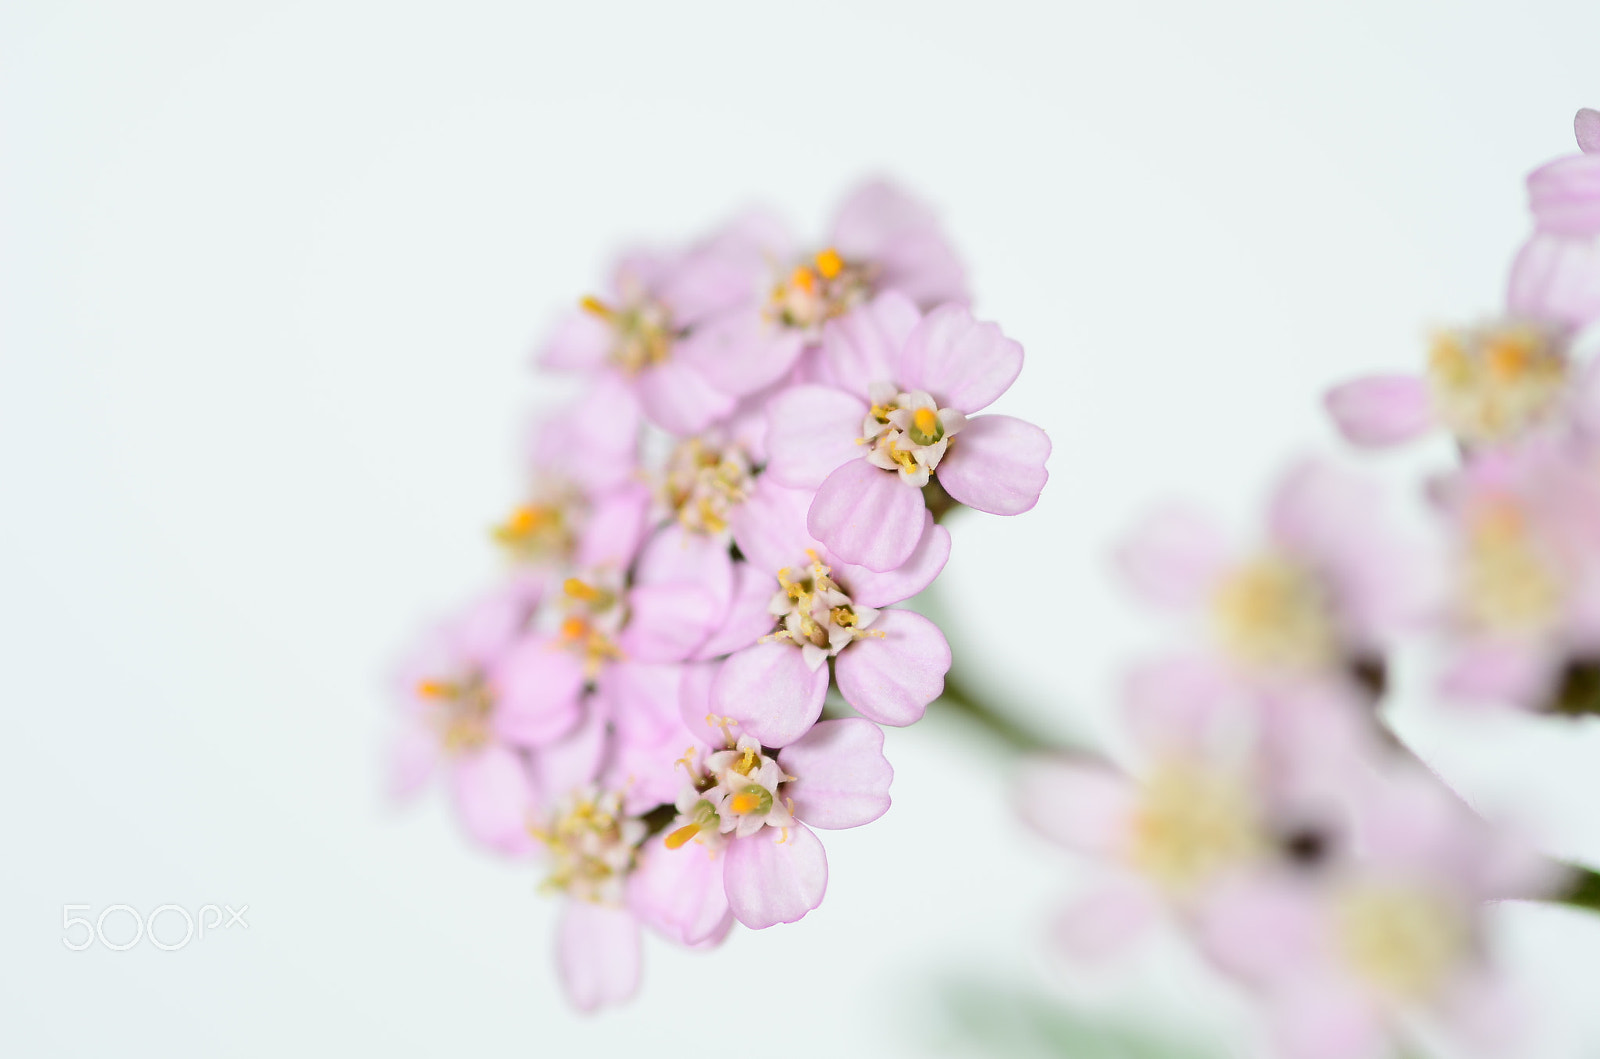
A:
(1175, 557)
(771, 691)
(643, 765)
(1484, 1014)
(774, 877)
(1586, 126)
(495, 798)
(810, 431)
(667, 622)
(1265, 931)
(892, 678)
(996, 464)
(867, 515)
(598, 953)
(573, 760)
(1105, 923)
(642, 697)
(536, 687)
(1081, 803)
(580, 342)
(412, 755)
(739, 352)
(964, 363)
(841, 778)
(694, 703)
(616, 525)
(884, 227)
(1557, 279)
(1380, 410)
(1499, 674)
(595, 439)
(674, 555)
(871, 588)
(1564, 196)
(680, 400)
(863, 346)
(747, 618)
(1328, 1020)
(770, 526)
(1174, 702)
(679, 891)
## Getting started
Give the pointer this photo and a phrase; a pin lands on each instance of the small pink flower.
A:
(751, 809)
(909, 385)
(807, 608)
(1321, 598)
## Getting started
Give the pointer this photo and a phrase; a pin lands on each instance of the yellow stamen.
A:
(829, 263)
(436, 689)
(590, 304)
(576, 589)
(574, 628)
(1508, 358)
(682, 835)
(744, 803)
(926, 420)
(803, 278)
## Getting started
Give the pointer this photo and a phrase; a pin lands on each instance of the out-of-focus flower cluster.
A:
(715, 537)
(1268, 811)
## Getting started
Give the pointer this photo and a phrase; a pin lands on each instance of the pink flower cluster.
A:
(717, 533)
(1266, 809)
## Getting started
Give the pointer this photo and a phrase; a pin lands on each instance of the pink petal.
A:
(598, 953)
(1586, 125)
(694, 702)
(892, 679)
(412, 756)
(996, 464)
(867, 515)
(863, 346)
(536, 689)
(841, 776)
(1564, 197)
(964, 363)
(739, 352)
(1082, 803)
(679, 891)
(1328, 1020)
(1556, 278)
(770, 526)
(1498, 673)
(644, 766)
(674, 555)
(667, 622)
(1105, 923)
(642, 697)
(810, 431)
(770, 690)
(616, 525)
(774, 878)
(747, 619)
(1266, 931)
(573, 760)
(1174, 703)
(595, 440)
(1174, 558)
(870, 588)
(1379, 410)
(494, 798)
(882, 225)
(580, 342)
(679, 399)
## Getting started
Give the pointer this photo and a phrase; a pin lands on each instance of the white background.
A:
(271, 275)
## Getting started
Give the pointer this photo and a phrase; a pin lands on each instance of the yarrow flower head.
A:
(668, 588)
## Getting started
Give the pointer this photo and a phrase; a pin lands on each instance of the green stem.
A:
(1582, 892)
(961, 699)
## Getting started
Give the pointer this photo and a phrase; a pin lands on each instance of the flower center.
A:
(461, 714)
(734, 793)
(594, 615)
(1400, 940)
(642, 332)
(703, 483)
(1509, 585)
(814, 292)
(542, 530)
(1273, 613)
(815, 614)
(1191, 823)
(908, 432)
(1491, 383)
(591, 845)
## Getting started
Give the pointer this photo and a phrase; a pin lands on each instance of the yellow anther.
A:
(1508, 358)
(803, 278)
(744, 803)
(829, 263)
(437, 689)
(747, 763)
(843, 617)
(590, 304)
(574, 628)
(784, 837)
(926, 420)
(581, 590)
(682, 835)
